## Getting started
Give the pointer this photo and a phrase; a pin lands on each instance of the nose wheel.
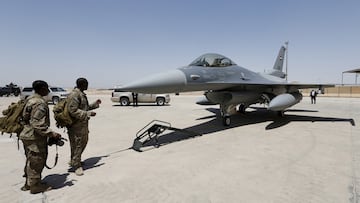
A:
(226, 121)
(226, 110)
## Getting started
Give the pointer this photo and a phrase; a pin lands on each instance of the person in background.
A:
(313, 95)
(135, 98)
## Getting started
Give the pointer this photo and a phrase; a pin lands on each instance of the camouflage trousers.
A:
(36, 155)
(78, 138)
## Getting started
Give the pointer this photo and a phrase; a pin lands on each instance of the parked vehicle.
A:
(125, 98)
(10, 89)
(54, 96)
(26, 92)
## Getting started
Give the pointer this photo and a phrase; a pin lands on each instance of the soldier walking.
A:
(80, 110)
(34, 137)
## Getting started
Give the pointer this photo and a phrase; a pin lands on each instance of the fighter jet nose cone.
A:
(167, 82)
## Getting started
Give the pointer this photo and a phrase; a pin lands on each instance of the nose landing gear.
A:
(226, 111)
(226, 120)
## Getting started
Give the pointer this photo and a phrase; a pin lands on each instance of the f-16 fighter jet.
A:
(231, 86)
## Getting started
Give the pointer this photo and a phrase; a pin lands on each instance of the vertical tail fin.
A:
(280, 59)
(278, 66)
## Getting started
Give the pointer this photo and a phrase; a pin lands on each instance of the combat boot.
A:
(39, 187)
(70, 163)
(25, 187)
(79, 171)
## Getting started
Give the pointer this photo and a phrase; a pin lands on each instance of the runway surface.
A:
(310, 155)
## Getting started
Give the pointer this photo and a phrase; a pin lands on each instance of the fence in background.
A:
(338, 91)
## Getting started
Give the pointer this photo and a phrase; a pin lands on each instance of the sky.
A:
(113, 42)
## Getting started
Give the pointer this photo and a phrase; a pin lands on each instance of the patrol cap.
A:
(81, 81)
(39, 84)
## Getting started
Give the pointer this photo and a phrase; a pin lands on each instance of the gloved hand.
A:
(92, 113)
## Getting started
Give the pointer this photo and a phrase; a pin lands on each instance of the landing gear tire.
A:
(226, 121)
(241, 108)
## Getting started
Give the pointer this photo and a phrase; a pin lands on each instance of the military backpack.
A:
(62, 115)
(13, 121)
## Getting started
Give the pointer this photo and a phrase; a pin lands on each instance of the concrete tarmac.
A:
(310, 155)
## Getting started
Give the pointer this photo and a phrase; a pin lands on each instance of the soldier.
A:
(80, 110)
(34, 137)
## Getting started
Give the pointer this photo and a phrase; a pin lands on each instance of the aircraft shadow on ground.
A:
(261, 115)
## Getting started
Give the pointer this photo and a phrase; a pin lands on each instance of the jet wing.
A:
(308, 86)
(265, 84)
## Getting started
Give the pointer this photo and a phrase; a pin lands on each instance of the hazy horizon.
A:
(114, 42)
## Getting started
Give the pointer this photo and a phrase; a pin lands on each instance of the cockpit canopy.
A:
(212, 60)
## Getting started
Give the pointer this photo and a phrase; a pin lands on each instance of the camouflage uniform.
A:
(34, 137)
(78, 107)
